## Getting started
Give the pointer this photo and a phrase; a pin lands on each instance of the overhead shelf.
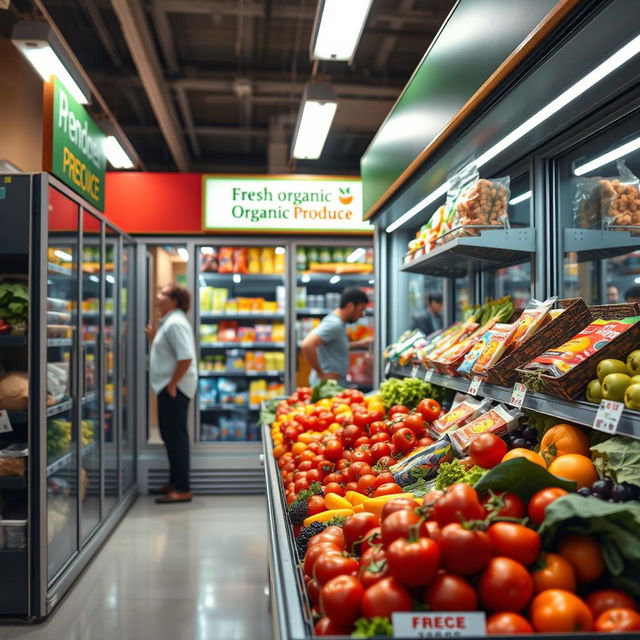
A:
(575, 411)
(323, 312)
(242, 345)
(241, 374)
(491, 249)
(597, 244)
(323, 278)
(61, 407)
(208, 315)
(64, 460)
(57, 269)
(59, 342)
(228, 278)
(13, 341)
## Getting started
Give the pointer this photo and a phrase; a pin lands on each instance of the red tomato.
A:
(380, 449)
(313, 591)
(374, 572)
(301, 484)
(505, 585)
(541, 500)
(334, 487)
(372, 540)
(366, 485)
(415, 422)
(425, 442)
(400, 524)
(314, 552)
(362, 454)
(618, 620)
(325, 467)
(404, 439)
(359, 469)
(361, 419)
(376, 416)
(362, 441)
(464, 551)
(350, 434)
(333, 476)
(351, 486)
(397, 424)
(450, 593)
(460, 501)
(385, 597)
(342, 464)
(327, 627)
(509, 505)
(356, 526)
(305, 466)
(487, 450)
(313, 475)
(600, 601)
(515, 541)
(383, 478)
(379, 438)
(378, 427)
(387, 489)
(414, 563)
(399, 408)
(385, 462)
(341, 599)
(507, 624)
(333, 450)
(315, 505)
(331, 565)
(429, 409)
(398, 504)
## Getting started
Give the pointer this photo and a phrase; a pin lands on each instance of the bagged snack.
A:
(240, 260)
(463, 409)
(425, 460)
(559, 360)
(14, 391)
(498, 421)
(498, 340)
(473, 354)
(531, 320)
(225, 264)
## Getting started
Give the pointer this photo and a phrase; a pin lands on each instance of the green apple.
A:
(632, 397)
(633, 362)
(594, 391)
(605, 367)
(635, 380)
(614, 385)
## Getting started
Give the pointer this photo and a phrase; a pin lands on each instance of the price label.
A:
(414, 371)
(387, 368)
(5, 423)
(608, 416)
(475, 385)
(448, 624)
(428, 375)
(518, 394)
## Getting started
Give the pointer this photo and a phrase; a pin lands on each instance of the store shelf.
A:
(8, 484)
(492, 249)
(13, 341)
(61, 407)
(89, 398)
(596, 244)
(58, 270)
(207, 315)
(241, 345)
(59, 342)
(313, 279)
(64, 459)
(575, 411)
(18, 417)
(320, 313)
(90, 315)
(241, 374)
(230, 407)
(227, 278)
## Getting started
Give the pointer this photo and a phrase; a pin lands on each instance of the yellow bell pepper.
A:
(328, 515)
(375, 505)
(334, 501)
(358, 508)
(355, 498)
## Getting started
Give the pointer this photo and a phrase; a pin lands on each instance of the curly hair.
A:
(181, 296)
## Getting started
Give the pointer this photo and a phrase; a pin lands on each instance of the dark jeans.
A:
(172, 416)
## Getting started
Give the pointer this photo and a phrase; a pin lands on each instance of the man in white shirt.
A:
(174, 378)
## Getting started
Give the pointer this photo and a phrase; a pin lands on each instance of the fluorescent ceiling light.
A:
(613, 62)
(319, 104)
(183, 253)
(39, 44)
(279, 251)
(116, 155)
(63, 255)
(334, 279)
(606, 158)
(337, 29)
(356, 254)
(521, 198)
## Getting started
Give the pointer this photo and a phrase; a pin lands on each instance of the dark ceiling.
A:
(231, 72)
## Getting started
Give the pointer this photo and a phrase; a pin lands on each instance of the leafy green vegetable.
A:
(451, 472)
(618, 458)
(409, 392)
(373, 628)
(520, 476)
(326, 389)
(615, 525)
(268, 412)
(14, 302)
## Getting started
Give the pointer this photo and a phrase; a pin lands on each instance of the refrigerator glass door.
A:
(127, 352)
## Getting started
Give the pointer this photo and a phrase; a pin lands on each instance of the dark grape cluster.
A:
(306, 534)
(523, 437)
(607, 489)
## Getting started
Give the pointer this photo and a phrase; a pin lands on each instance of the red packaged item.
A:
(240, 260)
(464, 409)
(498, 421)
(225, 263)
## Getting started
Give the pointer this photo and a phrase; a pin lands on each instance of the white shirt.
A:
(173, 342)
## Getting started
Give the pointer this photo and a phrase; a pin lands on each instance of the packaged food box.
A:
(498, 421)
(425, 459)
(531, 320)
(498, 340)
(463, 410)
(13, 460)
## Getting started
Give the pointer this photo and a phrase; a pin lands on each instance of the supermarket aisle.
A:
(176, 572)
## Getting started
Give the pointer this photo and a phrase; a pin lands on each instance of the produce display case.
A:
(75, 418)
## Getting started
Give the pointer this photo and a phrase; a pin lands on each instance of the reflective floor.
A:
(171, 572)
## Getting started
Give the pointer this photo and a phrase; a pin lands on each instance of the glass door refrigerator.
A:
(64, 482)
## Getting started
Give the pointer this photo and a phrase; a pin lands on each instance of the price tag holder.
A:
(433, 624)
(414, 371)
(608, 416)
(387, 368)
(5, 423)
(428, 375)
(518, 394)
(475, 385)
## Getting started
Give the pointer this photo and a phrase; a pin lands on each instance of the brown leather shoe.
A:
(175, 496)
(163, 490)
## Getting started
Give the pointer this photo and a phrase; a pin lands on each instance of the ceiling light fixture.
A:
(40, 45)
(337, 29)
(521, 198)
(606, 158)
(613, 62)
(356, 254)
(116, 155)
(319, 104)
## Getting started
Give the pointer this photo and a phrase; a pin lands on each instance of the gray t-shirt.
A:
(333, 353)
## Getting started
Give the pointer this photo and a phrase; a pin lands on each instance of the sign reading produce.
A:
(76, 156)
(284, 204)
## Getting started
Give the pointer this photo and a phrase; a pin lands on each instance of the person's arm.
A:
(360, 344)
(309, 348)
(182, 341)
(181, 368)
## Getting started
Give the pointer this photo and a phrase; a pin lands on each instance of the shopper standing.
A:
(327, 347)
(174, 378)
(432, 320)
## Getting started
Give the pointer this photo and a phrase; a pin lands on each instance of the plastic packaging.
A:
(14, 534)
(240, 260)
(427, 459)
(464, 409)
(531, 320)
(226, 260)
(498, 340)
(498, 421)
(13, 460)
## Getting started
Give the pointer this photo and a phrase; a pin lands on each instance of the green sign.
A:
(78, 157)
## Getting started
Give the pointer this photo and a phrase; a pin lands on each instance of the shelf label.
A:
(608, 416)
(475, 385)
(447, 624)
(5, 423)
(518, 394)
(428, 375)
(414, 371)
(387, 368)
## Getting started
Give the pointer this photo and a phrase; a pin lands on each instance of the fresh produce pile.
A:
(391, 513)
(617, 380)
(14, 308)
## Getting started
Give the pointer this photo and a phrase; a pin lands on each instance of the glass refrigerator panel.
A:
(128, 427)
(323, 273)
(241, 336)
(111, 383)
(90, 390)
(420, 290)
(62, 438)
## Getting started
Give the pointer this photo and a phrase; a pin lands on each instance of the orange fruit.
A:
(532, 456)
(563, 439)
(576, 467)
(298, 448)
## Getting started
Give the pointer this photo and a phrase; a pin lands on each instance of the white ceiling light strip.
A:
(521, 198)
(606, 158)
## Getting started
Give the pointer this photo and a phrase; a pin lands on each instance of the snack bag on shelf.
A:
(254, 259)
(560, 360)
(209, 260)
(473, 354)
(532, 318)
(267, 259)
(240, 260)
(225, 264)
(499, 338)
(498, 421)
(227, 331)
(464, 409)
(425, 459)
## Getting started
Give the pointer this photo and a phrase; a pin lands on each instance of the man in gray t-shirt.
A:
(327, 347)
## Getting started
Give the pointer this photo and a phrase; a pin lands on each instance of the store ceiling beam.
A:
(142, 48)
(187, 118)
(165, 38)
(389, 42)
(104, 36)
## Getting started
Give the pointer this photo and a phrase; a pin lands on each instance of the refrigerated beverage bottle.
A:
(301, 259)
(337, 255)
(312, 256)
(324, 257)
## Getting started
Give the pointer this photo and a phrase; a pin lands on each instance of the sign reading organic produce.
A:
(283, 204)
(74, 149)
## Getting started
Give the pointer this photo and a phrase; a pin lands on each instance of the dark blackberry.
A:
(306, 534)
(299, 511)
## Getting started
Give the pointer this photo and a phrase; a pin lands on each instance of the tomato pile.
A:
(367, 549)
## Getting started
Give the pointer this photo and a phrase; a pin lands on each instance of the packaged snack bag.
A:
(426, 459)
(559, 360)
(498, 420)
(226, 260)
(240, 260)
(463, 409)
(499, 338)
(473, 354)
(532, 318)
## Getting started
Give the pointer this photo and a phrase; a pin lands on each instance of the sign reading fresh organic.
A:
(77, 155)
(331, 205)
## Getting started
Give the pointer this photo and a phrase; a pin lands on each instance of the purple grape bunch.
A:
(522, 437)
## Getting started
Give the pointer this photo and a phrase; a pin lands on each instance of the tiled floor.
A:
(194, 571)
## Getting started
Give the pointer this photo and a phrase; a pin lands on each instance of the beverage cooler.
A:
(67, 438)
